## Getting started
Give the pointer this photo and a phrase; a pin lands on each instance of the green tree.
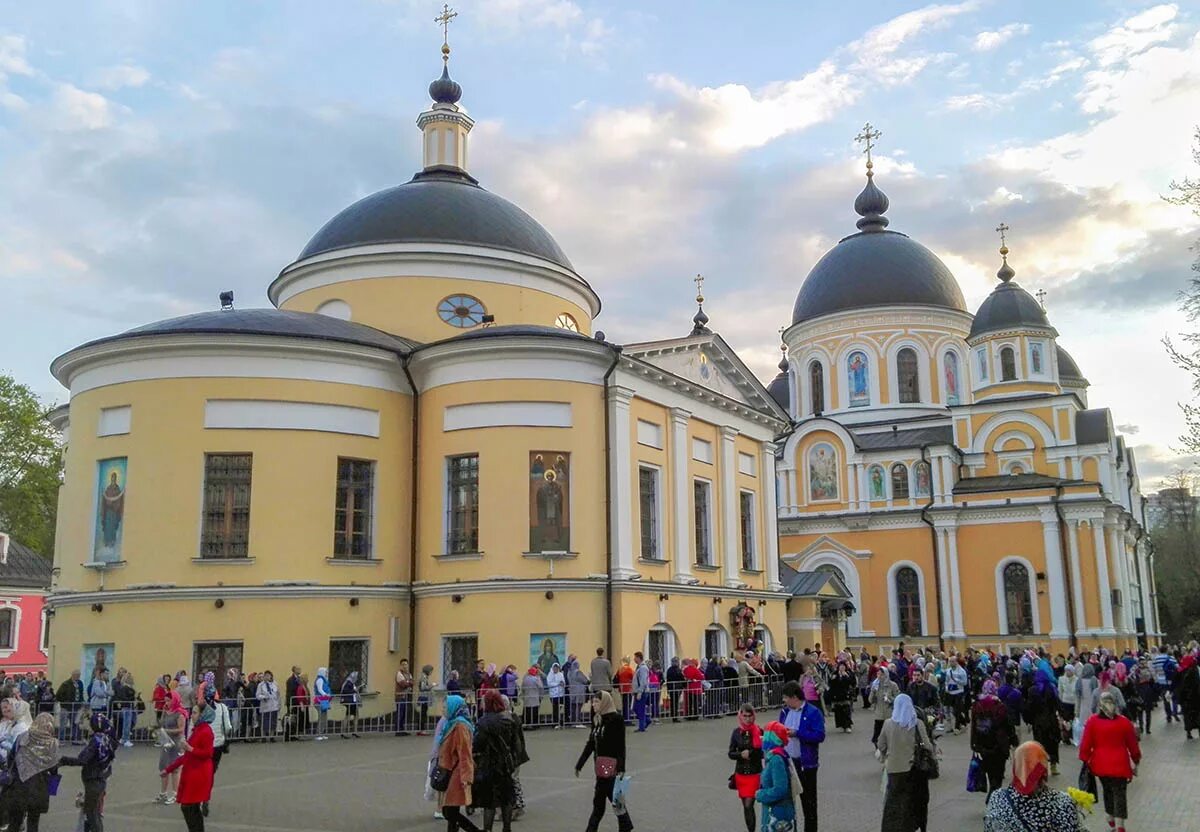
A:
(1186, 192)
(1176, 541)
(30, 461)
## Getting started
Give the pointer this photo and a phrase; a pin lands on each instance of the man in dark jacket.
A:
(70, 700)
(293, 709)
(675, 685)
(792, 669)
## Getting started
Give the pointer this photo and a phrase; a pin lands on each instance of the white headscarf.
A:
(903, 712)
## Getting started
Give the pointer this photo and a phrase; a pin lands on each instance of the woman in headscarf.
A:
(171, 731)
(883, 694)
(842, 688)
(556, 687)
(745, 749)
(28, 796)
(195, 784)
(1066, 699)
(498, 749)
(96, 760)
(992, 735)
(1110, 750)
(1085, 692)
(12, 723)
(453, 740)
(1187, 693)
(906, 804)
(1108, 684)
(693, 688)
(1041, 712)
(577, 686)
(606, 741)
(322, 698)
(489, 681)
(268, 705)
(1027, 803)
(532, 689)
(350, 701)
(775, 787)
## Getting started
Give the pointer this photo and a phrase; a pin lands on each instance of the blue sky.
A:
(153, 154)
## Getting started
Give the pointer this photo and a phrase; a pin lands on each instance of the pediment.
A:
(823, 544)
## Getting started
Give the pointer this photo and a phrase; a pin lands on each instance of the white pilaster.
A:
(680, 453)
(791, 478)
(944, 585)
(730, 556)
(955, 584)
(1147, 599)
(1056, 584)
(621, 465)
(1081, 625)
(770, 516)
(1104, 586)
(1120, 560)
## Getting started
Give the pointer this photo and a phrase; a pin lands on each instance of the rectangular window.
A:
(701, 491)
(462, 504)
(746, 464)
(226, 531)
(45, 646)
(459, 653)
(702, 450)
(746, 504)
(549, 501)
(346, 656)
(649, 434)
(648, 506)
(7, 618)
(352, 514)
(217, 656)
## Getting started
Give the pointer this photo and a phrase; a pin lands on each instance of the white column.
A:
(935, 479)
(795, 494)
(731, 557)
(1081, 625)
(1104, 586)
(770, 517)
(947, 480)
(851, 488)
(781, 491)
(1056, 585)
(680, 453)
(1147, 610)
(955, 585)
(1116, 548)
(620, 460)
(944, 585)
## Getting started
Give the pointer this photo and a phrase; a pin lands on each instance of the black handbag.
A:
(439, 778)
(1087, 780)
(925, 758)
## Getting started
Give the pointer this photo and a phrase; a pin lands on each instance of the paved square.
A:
(680, 772)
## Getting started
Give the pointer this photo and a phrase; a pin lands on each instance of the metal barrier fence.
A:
(418, 712)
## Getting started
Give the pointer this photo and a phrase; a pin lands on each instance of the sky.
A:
(154, 154)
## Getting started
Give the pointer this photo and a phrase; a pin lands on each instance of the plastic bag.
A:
(1076, 731)
(620, 792)
(976, 779)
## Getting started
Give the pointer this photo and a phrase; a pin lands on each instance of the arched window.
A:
(899, 481)
(1008, 364)
(908, 601)
(1017, 600)
(907, 376)
(816, 383)
(951, 374)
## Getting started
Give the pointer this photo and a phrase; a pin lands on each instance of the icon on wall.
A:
(110, 509)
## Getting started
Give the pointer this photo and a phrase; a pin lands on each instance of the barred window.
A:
(648, 506)
(219, 657)
(908, 601)
(907, 375)
(347, 655)
(352, 512)
(1017, 599)
(701, 491)
(462, 504)
(746, 504)
(226, 529)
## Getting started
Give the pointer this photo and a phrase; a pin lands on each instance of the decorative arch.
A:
(335, 308)
(849, 573)
(1027, 443)
(1007, 418)
(670, 642)
(768, 638)
(722, 637)
(921, 353)
(1002, 595)
(894, 601)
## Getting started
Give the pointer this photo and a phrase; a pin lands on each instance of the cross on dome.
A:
(872, 203)
(700, 320)
(444, 19)
(1006, 272)
(867, 137)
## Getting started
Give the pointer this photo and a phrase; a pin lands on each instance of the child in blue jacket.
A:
(775, 786)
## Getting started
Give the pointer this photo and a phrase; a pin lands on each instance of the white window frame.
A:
(894, 599)
(708, 525)
(1029, 344)
(10, 604)
(998, 362)
(660, 541)
(754, 559)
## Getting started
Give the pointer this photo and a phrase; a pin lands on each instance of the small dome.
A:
(445, 90)
(1068, 370)
(437, 206)
(1008, 307)
(780, 389)
(876, 268)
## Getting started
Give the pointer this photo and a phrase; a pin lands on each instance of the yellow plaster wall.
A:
(1087, 571)
(642, 410)
(980, 550)
(293, 484)
(408, 305)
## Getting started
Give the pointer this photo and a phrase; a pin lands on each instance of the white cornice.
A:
(66, 598)
(437, 260)
(515, 356)
(468, 588)
(884, 318)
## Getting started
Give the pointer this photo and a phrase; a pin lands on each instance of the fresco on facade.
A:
(547, 650)
(921, 474)
(1035, 358)
(549, 501)
(97, 657)
(878, 488)
(951, 373)
(857, 369)
(983, 364)
(822, 472)
(110, 510)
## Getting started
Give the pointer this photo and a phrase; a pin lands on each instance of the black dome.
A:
(1068, 370)
(437, 206)
(780, 390)
(876, 268)
(1008, 307)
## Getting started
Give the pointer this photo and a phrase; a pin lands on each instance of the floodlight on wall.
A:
(220, 602)
(664, 597)
(354, 602)
(716, 600)
(456, 599)
(549, 595)
(97, 608)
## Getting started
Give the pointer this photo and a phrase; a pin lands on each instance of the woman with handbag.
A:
(36, 774)
(454, 774)
(745, 749)
(904, 747)
(607, 742)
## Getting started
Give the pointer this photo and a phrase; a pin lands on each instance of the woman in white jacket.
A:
(322, 698)
(556, 683)
(1066, 697)
(268, 704)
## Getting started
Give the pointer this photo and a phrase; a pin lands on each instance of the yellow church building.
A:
(423, 451)
(946, 467)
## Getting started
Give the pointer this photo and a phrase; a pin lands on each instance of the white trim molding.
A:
(263, 414)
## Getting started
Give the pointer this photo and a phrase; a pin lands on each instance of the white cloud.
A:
(522, 14)
(12, 56)
(987, 41)
(122, 75)
(977, 102)
(76, 109)
(886, 38)
(1135, 35)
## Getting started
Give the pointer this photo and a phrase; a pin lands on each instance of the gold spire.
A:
(1002, 229)
(444, 19)
(867, 137)
(699, 281)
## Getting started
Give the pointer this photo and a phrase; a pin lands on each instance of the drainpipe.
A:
(1068, 579)
(414, 502)
(937, 570)
(608, 497)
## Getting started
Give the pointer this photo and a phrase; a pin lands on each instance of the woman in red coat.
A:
(195, 783)
(1110, 749)
(694, 687)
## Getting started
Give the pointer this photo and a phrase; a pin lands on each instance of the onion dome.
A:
(780, 387)
(445, 90)
(1009, 306)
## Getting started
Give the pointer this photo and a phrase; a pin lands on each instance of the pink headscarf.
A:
(175, 703)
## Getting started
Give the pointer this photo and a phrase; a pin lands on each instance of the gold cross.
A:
(1003, 229)
(867, 137)
(444, 18)
(699, 281)
(1041, 296)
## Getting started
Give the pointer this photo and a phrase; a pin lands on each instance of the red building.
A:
(24, 631)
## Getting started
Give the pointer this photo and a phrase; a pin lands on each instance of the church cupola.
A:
(444, 125)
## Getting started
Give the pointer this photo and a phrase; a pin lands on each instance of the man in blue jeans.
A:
(806, 731)
(641, 691)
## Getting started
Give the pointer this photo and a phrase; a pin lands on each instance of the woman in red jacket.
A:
(694, 687)
(1110, 749)
(195, 783)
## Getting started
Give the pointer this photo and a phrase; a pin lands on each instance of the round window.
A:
(462, 311)
(567, 322)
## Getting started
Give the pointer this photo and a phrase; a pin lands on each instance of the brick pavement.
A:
(680, 772)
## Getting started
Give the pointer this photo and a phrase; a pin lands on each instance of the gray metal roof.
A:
(269, 322)
(911, 438)
(509, 330)
(1011, 482)
(780, 390)
(1068, 370)
(1008, 307)
(437, 206)
(807, 584)
(1091, 426)
(25, 568)
(876, 268)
